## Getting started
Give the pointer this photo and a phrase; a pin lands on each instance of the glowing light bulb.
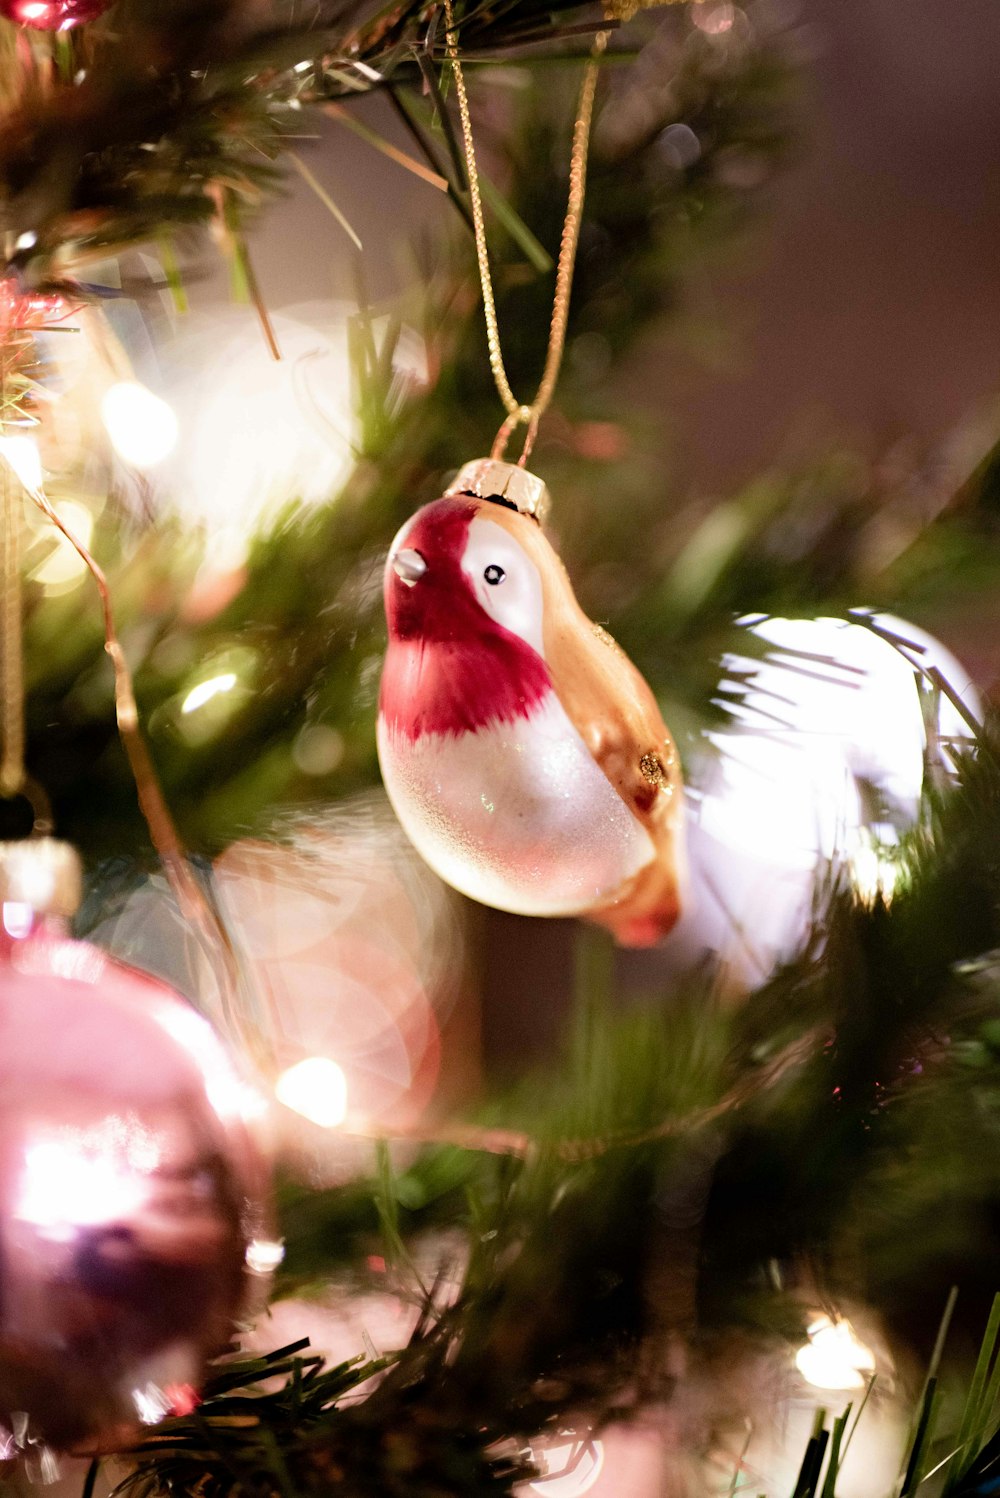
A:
(834, 1356)
(22, 455)
(151, 1404)
(875, 872)
(206, 690)
(264, 1255)
(316, 1088)
(142, 427)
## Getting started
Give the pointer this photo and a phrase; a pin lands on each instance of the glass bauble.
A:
(130, 1192)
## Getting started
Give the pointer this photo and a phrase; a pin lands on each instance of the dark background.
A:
(867, 305)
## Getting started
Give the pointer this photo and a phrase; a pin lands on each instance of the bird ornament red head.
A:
(523, 753)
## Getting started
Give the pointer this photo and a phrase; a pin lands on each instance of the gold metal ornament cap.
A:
(43, 873)
(504, 483)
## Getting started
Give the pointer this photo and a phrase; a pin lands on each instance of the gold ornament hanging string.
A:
(12, 703)
(519, 414)
(195, 906)
(15, 350)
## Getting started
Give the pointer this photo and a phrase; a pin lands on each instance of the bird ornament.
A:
(522, 751)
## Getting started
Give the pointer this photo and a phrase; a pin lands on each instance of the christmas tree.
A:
(547, 1215)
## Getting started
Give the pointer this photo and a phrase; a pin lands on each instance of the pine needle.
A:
(922, 1437)
(379, 143)
(534, 252)
(738, 1467)
(325, 198)
(973, 1414)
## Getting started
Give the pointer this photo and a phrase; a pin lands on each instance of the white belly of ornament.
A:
(518, 816)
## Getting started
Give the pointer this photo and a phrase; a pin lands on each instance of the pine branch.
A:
(170, 103)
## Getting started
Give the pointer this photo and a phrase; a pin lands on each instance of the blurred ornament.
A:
(52, 15)
(130, 1190)
(638, 1457)
(834, 729)
(355, 949)
(567, 1467)
(522, 751)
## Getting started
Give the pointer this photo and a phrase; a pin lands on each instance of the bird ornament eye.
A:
(505, 580)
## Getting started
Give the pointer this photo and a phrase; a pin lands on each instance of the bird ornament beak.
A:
(408, 565)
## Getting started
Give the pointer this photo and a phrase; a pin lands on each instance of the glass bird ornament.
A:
(524, 754)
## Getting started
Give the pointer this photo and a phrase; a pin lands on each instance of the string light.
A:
(834, 1356)
(264, 1255)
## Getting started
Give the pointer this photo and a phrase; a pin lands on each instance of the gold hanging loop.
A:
(12, 773)
(519, 414)
(522, 416)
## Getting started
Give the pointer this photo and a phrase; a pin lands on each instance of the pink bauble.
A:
(130, 1191)
(52, 15)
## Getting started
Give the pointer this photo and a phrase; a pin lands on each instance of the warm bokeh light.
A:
(64, 565)
(820, 766)
(355, 951)
(21, 453)
(259, 434)
(834, 1356)
(316, 1088)
(714, 19)
(206, 690)
(143, 428)
(875, 869)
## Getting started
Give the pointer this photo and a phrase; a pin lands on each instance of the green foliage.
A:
(168, 113)
(689, 1144)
